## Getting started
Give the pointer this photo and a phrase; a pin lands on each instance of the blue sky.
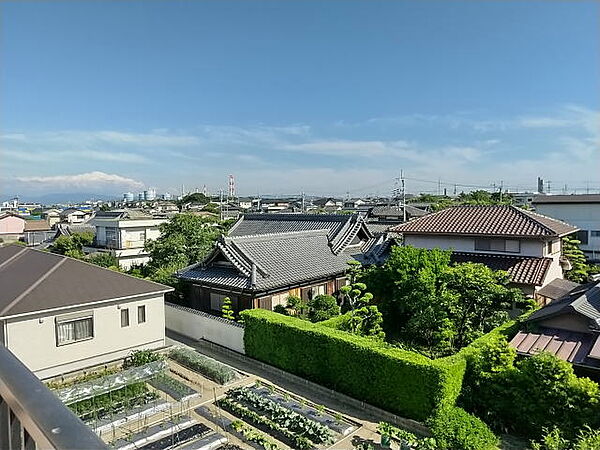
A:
(325, 97)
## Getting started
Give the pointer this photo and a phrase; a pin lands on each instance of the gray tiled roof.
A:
(495, 220)
(558, 288)
(584, 300)
(396, 211)
(286, 258)
(253, 224)
(573, 198)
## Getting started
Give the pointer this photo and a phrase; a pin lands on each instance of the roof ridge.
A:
(316, 232)
(524, 213)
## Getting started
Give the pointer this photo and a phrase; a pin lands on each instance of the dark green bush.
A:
(397, 380)
(530, 395)
(456, 429)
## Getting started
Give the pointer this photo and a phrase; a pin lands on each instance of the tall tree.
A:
(184, 240)
(436, 306)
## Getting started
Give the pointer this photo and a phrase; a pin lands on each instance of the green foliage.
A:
(103, 405)
(260, 421)
(580, 269)
(281, 310)
(285, 417)
(227, 310)
(366, 321)
(406, 437)
(252, 435)
(322, 307)
(196, 197)
(208, 367)
(103, 259)
(587, 439)
(72, 246)
(437, 307)
(528, 395)
(184, 240)
(480, 197)
(297, 305)
(456, 429)
(140, 357)
(400, 381)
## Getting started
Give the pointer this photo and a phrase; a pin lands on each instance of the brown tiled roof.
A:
(571, 346)
(522, 269)
(496, 220)
(36, 225)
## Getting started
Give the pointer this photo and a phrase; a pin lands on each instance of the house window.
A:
(141, 314)
(498, 245)
(216, 301)
(69, 330)
(124, 317)
(582, 235)
(595, 233)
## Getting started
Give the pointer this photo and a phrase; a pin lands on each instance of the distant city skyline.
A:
(320, 97)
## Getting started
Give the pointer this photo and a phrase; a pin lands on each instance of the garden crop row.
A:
(251, 435)
(283, 416)
(208, 367)
(265, 424)
(115, 401)
(174, 388)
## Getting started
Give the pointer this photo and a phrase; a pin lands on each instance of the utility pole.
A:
(303, 202)
(439, 191)
(501, 187)
(403, 187)
(548, 188)
(221, 202)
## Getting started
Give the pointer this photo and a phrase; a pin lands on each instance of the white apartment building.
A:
(582, 210)
(124, 233)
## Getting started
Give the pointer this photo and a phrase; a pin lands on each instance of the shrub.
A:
(322, 307)
(400, 381)
(212, 369)
(587, 439)
(140, 357)
(536, 393)
(456, 429)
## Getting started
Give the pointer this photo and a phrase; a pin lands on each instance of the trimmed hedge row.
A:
(397, 380)
(456, 429)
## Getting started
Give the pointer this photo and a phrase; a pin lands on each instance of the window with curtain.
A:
(124, 317)
(141, 314)
(69, 331)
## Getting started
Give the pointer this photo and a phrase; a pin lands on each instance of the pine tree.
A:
(227, 310)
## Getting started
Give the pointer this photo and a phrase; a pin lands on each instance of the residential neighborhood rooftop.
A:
(35, 281)
(288, 251)
(572, 198)
(490, 221)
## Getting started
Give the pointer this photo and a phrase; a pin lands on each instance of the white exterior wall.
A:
(33, 340)
(530, 247)
(585, 216)
(467, 244)
(199, 325)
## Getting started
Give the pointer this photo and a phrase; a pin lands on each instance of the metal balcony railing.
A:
(32, 417)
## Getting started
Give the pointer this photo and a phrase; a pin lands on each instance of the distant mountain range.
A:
(66, 197)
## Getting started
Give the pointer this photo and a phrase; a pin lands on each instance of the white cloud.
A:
(89, 180)
(55, 156)
(348, 148)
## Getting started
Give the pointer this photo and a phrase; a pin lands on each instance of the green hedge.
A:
(399, 381)
(456, 429)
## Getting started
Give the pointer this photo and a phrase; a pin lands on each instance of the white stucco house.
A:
(582, 210)
(525, 244)
(124, 233)
(59, 314)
